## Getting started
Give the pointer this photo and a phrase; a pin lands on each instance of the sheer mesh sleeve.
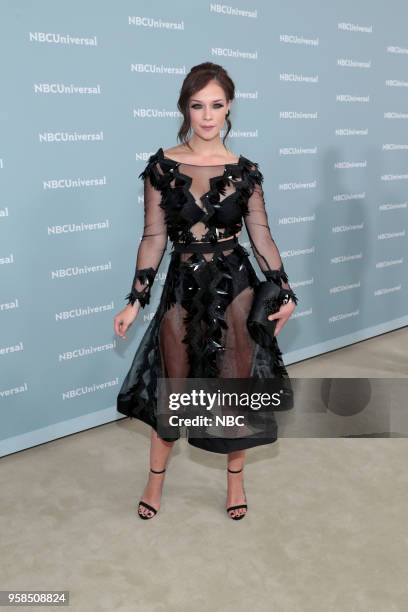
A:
(263, 245)
(154, 239)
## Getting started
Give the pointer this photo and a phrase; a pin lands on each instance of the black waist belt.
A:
(205, 247)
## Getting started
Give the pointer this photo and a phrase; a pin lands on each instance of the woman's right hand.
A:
(124, 319)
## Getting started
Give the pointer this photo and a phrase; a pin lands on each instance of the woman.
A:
(197, 194)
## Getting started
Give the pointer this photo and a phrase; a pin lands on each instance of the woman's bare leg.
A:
(159, 454)
(235, 494)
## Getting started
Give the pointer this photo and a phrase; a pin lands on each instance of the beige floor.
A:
(325, 531)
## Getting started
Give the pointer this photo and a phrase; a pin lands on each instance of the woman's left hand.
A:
(282, 315)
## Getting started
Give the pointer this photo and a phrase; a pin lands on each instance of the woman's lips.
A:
(208, 127)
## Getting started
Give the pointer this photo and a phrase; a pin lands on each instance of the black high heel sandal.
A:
(239, 516)
(146, 505)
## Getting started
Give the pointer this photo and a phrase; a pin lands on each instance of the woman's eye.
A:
(199, 106)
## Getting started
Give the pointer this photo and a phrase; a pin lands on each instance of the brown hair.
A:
(198, 77)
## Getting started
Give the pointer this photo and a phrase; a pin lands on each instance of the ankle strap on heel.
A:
(235, 471)
(157, 471)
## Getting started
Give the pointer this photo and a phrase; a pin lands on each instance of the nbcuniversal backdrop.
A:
(89, 91)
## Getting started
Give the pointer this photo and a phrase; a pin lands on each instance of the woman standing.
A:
(198, 194)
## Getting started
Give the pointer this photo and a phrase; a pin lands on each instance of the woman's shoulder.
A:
(176, 151)
(152, 169)
(252, 169)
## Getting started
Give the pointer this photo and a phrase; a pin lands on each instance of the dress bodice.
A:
(189, 203)
(202, 203)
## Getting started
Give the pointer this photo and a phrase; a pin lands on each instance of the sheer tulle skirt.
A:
(199, 331)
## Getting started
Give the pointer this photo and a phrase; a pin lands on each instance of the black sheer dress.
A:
(199, 328)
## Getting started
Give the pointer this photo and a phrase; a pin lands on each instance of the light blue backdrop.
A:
(89, 91)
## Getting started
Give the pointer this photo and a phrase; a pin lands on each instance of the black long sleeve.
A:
(263, 245)
(153, 243)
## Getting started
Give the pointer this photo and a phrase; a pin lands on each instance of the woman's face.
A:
(208, 108)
